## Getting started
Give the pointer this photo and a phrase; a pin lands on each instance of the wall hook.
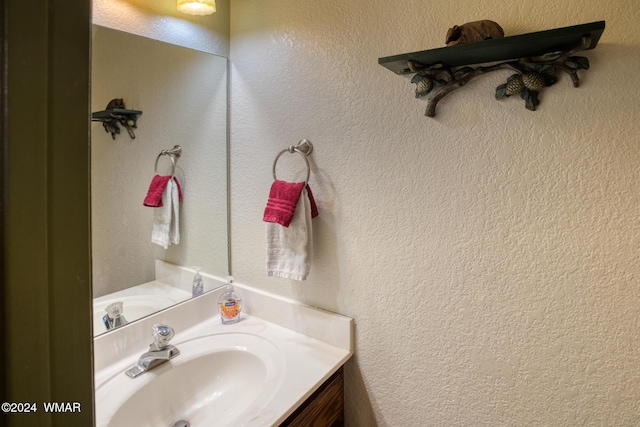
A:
(305, 146)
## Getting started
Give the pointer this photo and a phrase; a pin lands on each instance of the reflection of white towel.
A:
(289, 248)
(166, 220)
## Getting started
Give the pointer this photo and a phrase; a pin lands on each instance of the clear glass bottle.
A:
(230, 304)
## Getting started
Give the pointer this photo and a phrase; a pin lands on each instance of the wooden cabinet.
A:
(324, 408)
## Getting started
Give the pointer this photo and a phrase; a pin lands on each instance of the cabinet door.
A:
(324, 408)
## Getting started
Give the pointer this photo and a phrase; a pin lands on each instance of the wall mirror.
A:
(182, 94)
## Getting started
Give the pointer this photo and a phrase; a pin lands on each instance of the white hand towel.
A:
(166, 220)
(289, 248)
(174, 230)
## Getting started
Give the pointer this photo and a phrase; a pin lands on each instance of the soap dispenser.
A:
(230, 304)
(197, 288)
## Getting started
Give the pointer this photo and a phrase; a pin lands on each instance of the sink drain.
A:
(181, 423)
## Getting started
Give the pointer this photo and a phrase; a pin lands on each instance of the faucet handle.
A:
(114, 317)
(114, 309)
(162, 334)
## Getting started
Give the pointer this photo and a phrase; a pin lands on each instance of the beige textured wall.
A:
(160, 20)
(489, 256)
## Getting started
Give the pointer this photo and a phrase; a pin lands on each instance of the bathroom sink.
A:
(217, 380)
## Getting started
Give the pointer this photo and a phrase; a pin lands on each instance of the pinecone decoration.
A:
(515, 85)
(533, 81)
(424, 86)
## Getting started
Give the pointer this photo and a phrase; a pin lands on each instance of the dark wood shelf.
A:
(512, 47)
(111, 117)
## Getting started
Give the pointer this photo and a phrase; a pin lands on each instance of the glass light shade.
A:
(197, 7)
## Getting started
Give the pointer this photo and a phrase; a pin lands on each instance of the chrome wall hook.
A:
(176, 151)
(173, 153)
(305, 146)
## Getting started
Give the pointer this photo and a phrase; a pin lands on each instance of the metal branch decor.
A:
(533, 75)
(535, 58)
(117, 113)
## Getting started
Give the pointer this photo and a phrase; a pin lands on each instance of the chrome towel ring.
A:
(304, 148)
(173, 154)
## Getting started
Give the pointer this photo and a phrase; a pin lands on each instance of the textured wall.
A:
(160, 20)
(489, 255)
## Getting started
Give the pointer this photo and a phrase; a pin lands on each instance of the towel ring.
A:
(173, 153)
(303, 148)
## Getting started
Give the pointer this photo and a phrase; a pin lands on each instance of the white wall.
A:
(489, 255)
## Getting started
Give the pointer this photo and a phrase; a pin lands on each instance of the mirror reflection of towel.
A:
(156, 189)
(166, 218)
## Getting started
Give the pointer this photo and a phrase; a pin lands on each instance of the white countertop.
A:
(313, 343)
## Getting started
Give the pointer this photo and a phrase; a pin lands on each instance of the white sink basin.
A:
(217, 380)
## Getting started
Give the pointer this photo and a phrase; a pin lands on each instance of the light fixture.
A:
(197, 7)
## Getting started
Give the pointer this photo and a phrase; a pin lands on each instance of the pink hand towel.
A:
(156, 188)
(312, 202)
(282, 202)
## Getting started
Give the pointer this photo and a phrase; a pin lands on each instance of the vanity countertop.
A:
(313, 343)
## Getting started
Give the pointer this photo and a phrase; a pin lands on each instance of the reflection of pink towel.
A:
(283, 199)
(156, 188)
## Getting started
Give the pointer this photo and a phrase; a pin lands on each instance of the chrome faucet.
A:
(114, 317)
(159, 351)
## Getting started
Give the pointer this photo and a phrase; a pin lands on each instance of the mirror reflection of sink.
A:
(217, 380)
(134, 307)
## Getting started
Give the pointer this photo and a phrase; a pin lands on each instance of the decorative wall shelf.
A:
(114, 115)
(535, 57)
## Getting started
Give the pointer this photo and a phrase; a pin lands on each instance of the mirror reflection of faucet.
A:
(159, 352)
(115, 316)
